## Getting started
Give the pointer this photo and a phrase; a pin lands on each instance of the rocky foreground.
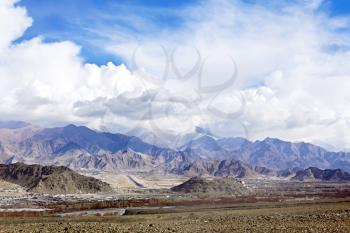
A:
(322, 217)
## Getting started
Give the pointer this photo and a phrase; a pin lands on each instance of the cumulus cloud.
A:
(46, 82)
(293, 67)
(237, 69)
(14, 22)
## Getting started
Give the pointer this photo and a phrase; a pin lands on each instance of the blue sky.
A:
(71, 20)
(66, 20)
(340, 7)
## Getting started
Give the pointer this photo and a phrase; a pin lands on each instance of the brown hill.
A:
(51, 179)
(226, 185)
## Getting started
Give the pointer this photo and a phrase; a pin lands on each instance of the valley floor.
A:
(327, 217)
(268, 206)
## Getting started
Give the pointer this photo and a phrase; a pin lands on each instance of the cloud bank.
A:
(235, 68)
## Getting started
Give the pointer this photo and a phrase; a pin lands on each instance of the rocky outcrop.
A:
(51, 179)
(222, 185)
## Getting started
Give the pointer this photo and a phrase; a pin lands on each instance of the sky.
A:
(64, 20)
(249, 68)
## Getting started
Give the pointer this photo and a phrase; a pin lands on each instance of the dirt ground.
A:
(311, 217)
(121, 182)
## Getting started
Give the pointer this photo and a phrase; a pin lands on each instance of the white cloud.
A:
(293, 66)
(13, 22)
(44, 82)
(292, 82)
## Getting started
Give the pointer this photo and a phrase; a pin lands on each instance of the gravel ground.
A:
(325, 217)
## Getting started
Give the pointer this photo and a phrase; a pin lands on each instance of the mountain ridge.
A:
(272, 153)
(314, 174)
(79, 147)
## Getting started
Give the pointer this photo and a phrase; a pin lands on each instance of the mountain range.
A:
(270, 152)
(79, 147)
(314, 173)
